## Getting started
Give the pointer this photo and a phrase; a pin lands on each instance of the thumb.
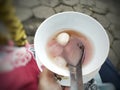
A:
(46, 73)
(47, 78)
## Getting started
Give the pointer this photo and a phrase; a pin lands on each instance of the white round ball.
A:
(60, 61)
(63, 38)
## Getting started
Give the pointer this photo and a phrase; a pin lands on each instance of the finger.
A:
(47, 78)
(46, 73)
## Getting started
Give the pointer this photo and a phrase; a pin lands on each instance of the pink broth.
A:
(52, 43)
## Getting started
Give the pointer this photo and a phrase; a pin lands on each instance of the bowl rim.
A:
(73, 12)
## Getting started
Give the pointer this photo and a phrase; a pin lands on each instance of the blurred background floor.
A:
(33, 12)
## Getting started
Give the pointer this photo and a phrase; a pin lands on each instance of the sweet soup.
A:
(58, 41)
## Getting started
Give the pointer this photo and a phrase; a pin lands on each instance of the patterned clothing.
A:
(18, 69)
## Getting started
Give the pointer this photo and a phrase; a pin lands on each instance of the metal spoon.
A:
(76, 72)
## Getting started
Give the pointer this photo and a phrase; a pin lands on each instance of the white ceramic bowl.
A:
(81, 23)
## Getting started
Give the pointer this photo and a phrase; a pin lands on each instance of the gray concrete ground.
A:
(33, 12)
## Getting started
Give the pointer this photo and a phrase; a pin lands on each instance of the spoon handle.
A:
(76, 77)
